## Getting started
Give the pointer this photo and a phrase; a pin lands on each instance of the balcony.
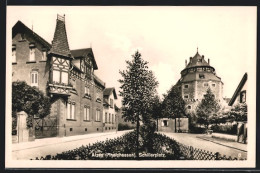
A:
(59, 88)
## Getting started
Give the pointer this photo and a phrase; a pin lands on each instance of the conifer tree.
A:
(207, 109)
(173, 105)
(138, 89)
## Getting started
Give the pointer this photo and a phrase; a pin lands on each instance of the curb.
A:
(221, 144)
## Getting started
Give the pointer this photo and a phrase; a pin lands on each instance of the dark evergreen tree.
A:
(138, 89)
(173, 105)
(207, 109)
(30, 100)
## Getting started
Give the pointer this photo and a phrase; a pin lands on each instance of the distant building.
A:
(197, 76)
(110, 111)
(67, 76)
(239, 95)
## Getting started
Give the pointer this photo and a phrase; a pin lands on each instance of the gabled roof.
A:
(19, 27)
(81, 53)
(109, 91)
(240, 86)
(60, 45)
(97, 80)
(117, 108)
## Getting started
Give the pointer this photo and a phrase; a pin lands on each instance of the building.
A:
(197, 76)
(67, 76)
(239, 95)
(110, 110)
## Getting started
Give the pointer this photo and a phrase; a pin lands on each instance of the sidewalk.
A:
(224, 142)
(45, 146)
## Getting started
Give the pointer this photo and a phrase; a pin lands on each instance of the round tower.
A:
(196, 78)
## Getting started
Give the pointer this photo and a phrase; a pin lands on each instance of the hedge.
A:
(122, 148)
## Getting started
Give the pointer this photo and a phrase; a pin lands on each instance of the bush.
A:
(124, 127)
(224, 128)
(125, 146)
(197, 130)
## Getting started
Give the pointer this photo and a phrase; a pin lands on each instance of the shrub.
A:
(121, 145)
(224, 128)
(197, 130)
(124, 127)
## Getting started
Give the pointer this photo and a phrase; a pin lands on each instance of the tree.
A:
(157, 109)
(30, 100)
(173, 105)
(207, 109)
(238, 112)
(138, 91)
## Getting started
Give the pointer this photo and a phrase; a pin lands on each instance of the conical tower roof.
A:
(197, 60)
(60, 45)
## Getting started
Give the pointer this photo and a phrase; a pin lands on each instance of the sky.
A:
(166, 36)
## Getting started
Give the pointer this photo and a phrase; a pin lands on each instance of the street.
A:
(227, 148)
(52, 146)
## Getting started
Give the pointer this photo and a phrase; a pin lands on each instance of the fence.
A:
(191, 153)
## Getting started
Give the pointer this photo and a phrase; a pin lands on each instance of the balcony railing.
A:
(59, 88)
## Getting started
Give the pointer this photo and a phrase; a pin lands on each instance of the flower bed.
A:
(123, 148)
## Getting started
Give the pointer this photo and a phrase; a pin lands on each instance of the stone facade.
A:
(66, 76)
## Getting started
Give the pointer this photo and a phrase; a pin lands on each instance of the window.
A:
(71, 110)
(112, 118)
(56, 76)
(186, 96)
(34, 78)
(206, 84)
(97, 115)
(165, 123)
(106, 117)
(87, 90)
(32, 54)
(86, 113)
(13, 54)
(199, 60)
(213, 85)
(111, 103)
(109, 118)
(189, 106)
(44, 56)
(60, 76)
(201, 76)
(243, 96)
(186, 86)
(64, 77)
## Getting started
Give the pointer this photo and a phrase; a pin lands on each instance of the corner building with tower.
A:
(66, 76)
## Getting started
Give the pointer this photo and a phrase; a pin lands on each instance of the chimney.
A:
(208, 61)
(185, 62)
(202, 56)
(190, 59)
